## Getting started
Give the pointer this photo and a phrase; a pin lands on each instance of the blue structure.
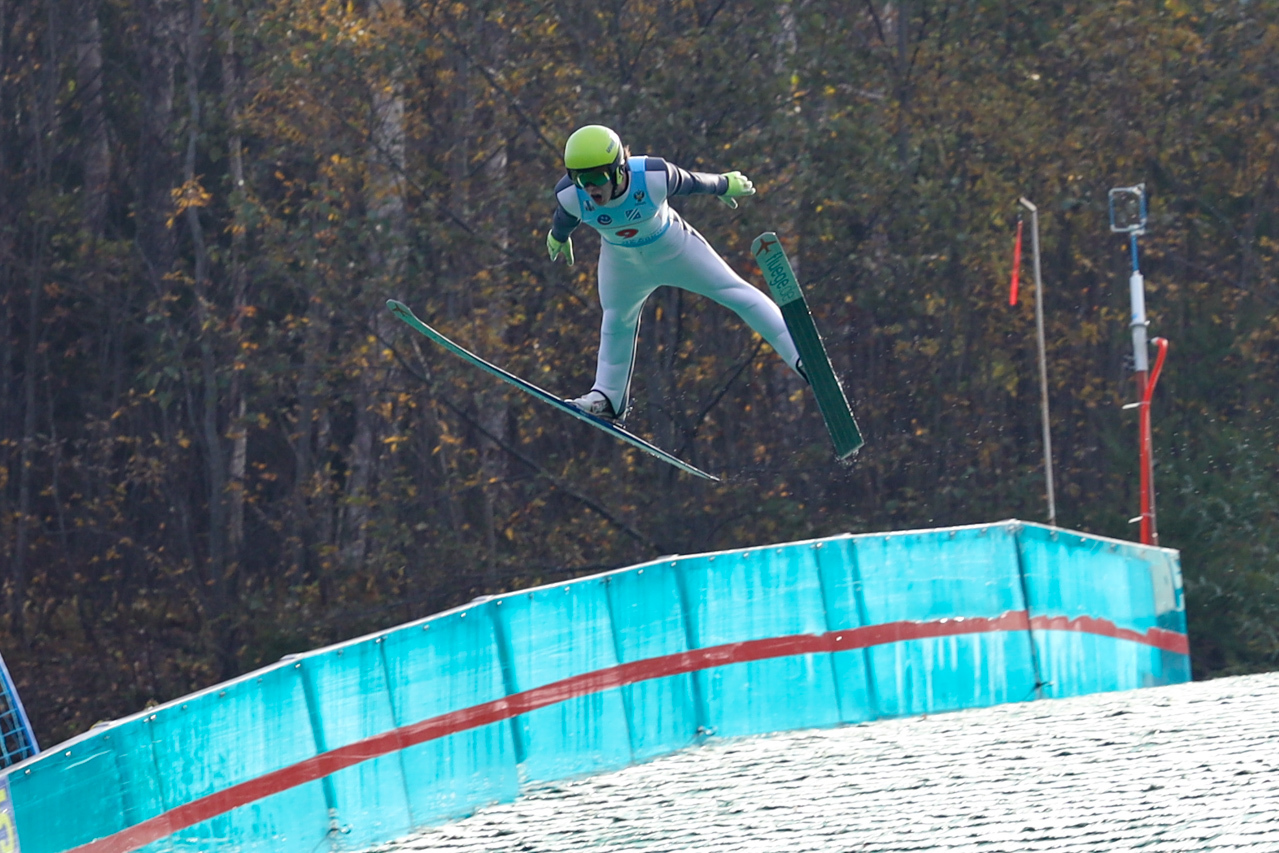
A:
(349, 746)
(17, 741)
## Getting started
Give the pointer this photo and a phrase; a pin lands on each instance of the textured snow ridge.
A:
(1162, 770)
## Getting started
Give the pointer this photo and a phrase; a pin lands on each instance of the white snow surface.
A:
(1192, 767)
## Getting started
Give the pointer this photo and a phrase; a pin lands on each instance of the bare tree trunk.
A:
(494, 463)
(239, 302)
(18, 588)
(217, 578)
(302, 534)
(493, 415)
(903, 83)
(95, 147)
(155, 174)
(387, 255)
(493, 213)
(8, 405)
(42, 129)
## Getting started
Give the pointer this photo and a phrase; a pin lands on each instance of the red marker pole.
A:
(1149, 530)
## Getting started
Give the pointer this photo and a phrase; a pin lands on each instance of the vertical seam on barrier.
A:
(128, 796)
(398, 722)
(1025, 600)
(826, 620)
(321, 747)
(859, 600)
(165, 804)
(505, 657)
(701, 709)
(628, 703)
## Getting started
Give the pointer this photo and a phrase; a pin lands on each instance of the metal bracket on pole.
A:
(1128, 210)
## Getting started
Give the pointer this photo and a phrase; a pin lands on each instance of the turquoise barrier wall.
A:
(349, 746)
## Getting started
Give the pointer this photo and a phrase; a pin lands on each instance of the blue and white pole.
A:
(1128, 216)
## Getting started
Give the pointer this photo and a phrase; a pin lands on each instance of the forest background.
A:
(217, 446)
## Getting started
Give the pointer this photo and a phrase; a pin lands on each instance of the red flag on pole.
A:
(1012, 293)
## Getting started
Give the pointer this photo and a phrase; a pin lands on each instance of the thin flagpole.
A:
(1043, 362)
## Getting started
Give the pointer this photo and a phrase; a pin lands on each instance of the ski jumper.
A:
(645, 244)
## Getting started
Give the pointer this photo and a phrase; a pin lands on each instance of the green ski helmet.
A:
(594, 155)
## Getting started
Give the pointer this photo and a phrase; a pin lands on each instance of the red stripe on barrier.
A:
(1160, 638)
(312, 769)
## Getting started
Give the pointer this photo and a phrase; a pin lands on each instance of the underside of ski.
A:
(787, 293)
(399, 309)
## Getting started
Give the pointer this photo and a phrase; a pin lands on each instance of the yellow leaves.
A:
(1090, 332)
(1003, 373)
(394, 441)
(190, 194)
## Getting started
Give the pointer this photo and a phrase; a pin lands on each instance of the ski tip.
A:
(399, 309)
(765, 243)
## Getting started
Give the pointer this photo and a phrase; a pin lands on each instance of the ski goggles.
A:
(597, 177)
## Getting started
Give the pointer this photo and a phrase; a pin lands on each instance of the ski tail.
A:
(789, 296)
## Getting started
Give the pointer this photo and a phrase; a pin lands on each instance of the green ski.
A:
(787, 293)
(399, 309)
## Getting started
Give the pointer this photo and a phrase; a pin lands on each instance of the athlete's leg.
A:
(704, 272)
(623, 288)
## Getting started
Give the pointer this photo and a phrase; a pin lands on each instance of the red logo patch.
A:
(627, 233)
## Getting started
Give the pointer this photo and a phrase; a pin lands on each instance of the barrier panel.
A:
(353, 745)
(647, 606)
(736, 599)
(952, 616)
(434, 667)
(1107, 615)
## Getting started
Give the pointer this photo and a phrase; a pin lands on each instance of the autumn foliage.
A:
(217, 447)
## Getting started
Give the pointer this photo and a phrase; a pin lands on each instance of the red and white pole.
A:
(1128, 216)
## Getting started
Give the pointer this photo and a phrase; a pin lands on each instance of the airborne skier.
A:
(644, 245)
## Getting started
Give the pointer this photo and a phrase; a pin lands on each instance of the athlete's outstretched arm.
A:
(683, 182)
(727, 187)
(558, 242)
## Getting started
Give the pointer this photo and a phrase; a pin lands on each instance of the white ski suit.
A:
(645, 245)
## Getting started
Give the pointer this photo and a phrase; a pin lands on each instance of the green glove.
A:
(556, 248)
(738, 185)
